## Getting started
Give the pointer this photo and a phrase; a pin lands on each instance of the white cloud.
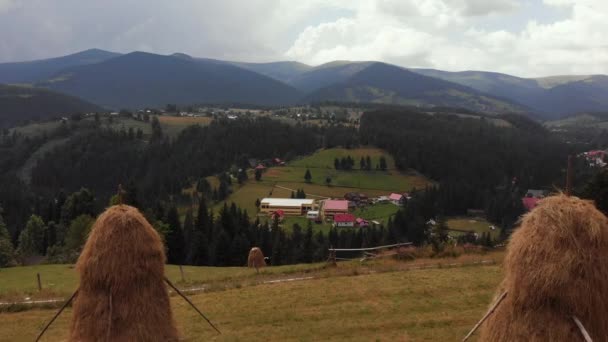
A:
(444, 34)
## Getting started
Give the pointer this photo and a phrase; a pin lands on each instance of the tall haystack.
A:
(256, 258)
(122, 295)
(555, 269)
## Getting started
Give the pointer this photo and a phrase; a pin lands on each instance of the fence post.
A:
(39, 282)
(181, 271)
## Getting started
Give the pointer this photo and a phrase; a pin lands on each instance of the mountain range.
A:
(140, 79)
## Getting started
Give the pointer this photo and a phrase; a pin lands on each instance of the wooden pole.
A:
(39, 282)
(191, 304)
(181, 271)
(569, 177)
(581, 327)
(56, 315)
(500, 299)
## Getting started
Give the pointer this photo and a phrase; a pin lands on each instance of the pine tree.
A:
(336, 164)
(362, 164)
(199, 243)
(188, 230)
(368, 163)
(77, 233)
(7, 252)
(174, 238)
(383, 165)
(308, 248)
(307, 176)
(32, 238)
(258, 175)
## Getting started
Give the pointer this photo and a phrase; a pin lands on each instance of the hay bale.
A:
(122, 296)
(555, 268)
(256, 258)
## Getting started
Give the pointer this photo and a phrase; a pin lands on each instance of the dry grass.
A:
(422, 305)
(555, 268)
(122, 294)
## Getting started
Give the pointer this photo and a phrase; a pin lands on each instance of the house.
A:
(355, 197)
(313, 215)
(530, 202)
(535, 193)
(279, 214)
(362, 222)
(344, 220)
(278, 161)
(289, 206)
(260, 167)
(396, 199)
(334, 207)
(382, 199)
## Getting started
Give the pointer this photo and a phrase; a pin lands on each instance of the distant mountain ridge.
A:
(19, 104)
(138, 79)
(33, 71)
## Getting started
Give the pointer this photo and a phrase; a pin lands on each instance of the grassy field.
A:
(476, 225)
(439, 304)
(173, 125)
(280, 181)
(379, 212)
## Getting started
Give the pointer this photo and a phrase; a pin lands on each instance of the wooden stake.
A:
(191, 304)
(56, 315)
(181, 271)
(500, 299)
(582, 329)
(39, 282)
(569, 177)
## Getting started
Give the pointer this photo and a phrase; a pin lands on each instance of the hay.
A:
(122, 294)
(256, 258)
(555, 268)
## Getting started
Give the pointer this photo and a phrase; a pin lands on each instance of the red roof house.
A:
(260, 167)
(396, 198)
(344, 220)
(530, 202)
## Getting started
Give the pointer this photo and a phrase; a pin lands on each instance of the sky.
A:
(527, 38)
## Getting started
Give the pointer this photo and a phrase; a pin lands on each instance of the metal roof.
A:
(287, 202)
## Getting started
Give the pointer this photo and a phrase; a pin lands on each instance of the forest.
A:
(476, 165)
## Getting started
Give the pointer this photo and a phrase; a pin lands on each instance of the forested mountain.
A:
(550, 96)
(145, 80)
(19, 104)
(142, 79)
(281, 71)
(33, 71)
(385, 83)
(327, 74)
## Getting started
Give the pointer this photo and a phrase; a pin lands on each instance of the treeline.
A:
(477, 164)
(365, 163)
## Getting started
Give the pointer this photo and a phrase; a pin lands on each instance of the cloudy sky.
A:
(521, 37)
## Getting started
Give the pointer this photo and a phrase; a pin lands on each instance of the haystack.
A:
(122, 295)
(555, 268)
(256, 258)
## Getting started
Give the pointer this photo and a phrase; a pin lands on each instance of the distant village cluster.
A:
(335, 211)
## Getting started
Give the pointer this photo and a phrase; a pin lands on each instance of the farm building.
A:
(334, 207)
(289, 206)
(396, 199)
(344, 220)
(312, 215)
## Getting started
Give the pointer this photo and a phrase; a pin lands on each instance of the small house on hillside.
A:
(260, 167)
(344, 220)
(334, 207)
(362, 222)
(396, 199)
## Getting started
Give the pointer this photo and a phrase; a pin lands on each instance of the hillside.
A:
(142, 79)
(280, 71)
(19, 104)
(385, 83)
(352, 302)
(551, 97)
(33, 71)
(327, 74)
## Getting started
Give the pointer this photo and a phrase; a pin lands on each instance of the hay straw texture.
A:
(556, 267)
(256, 258)
(122, 294)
